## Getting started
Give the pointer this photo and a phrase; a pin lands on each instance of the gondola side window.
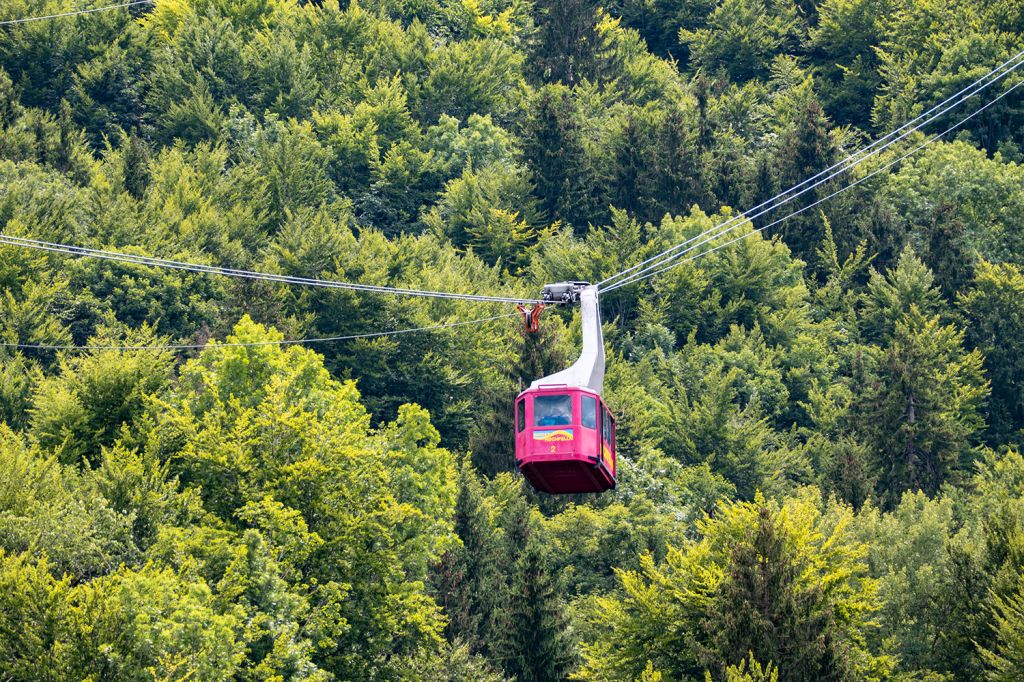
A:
(606, 427)
(589, 405)
(552, 410)
(520, 415)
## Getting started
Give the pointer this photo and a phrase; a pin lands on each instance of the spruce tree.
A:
(918, 406)
(136, 166)
(805, 150)
(567, 40)
(994, 309)
(761, 608)
(465, 578)
(678, 171)
(567, 185)
(633, 160)
(534, 646)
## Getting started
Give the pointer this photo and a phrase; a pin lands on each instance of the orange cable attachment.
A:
(531, 317)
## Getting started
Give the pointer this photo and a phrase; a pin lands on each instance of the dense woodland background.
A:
(819, 426)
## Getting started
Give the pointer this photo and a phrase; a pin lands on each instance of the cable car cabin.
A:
(565, 440)
(565, 436)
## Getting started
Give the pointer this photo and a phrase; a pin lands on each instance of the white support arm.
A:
(588, 370)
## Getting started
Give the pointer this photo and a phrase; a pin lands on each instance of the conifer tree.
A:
(760, 608)
(890, 297)
(567, 40)
(678, 171)
(634, 151)
(784, 584)
(919, 406)
(553, 145)
(804, 150)
(465, 579)
(994, 308)
(534, 646)
(136, 166)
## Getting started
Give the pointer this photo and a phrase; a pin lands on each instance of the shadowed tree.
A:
(567, 40)
(566, 182)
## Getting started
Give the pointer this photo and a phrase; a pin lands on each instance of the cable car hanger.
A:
(588, 371)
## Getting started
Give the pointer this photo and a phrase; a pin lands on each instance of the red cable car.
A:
(565, 436)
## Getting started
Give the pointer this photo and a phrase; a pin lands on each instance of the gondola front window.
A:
(552, 410)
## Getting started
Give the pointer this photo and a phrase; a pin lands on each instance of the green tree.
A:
(740, 37)
(994, 326)
(33, 619)
(957, 189)
(842, 43)
(532, 640)
(909, 554)
(918, 406)
(890, 297)
(466, 577)
(556, 155)
(567, 40)
(132, 625)
(55, 511)
(749, 670)
(250, 422)
(454, 663)
(84, 407)
(491, 211)
(1007, 660)
(723, 590)
(805, 150)
(982, 571)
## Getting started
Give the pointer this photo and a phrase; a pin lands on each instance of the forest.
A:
(820, 474)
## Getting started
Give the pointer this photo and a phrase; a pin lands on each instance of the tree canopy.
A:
(224, 478)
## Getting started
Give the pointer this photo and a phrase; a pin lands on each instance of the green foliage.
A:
(453, 664)
(890, 297)
(557, 157)
(133, 624)
(907, 552)
(33, 619)
(749, 670)
(84, 408)
(56, 512)
(533, 643)
(1006, 661)
(465, 578)
(129, 625)
(992, 308)
(983, 568)
(954, 202)
(567, 41)
(248, 423)
(490, 211)
(756, 580)
(740, 36)
(268, 512)
(919, 405)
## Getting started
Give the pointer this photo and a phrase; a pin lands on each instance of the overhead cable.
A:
(642, 276)
(119, 256)
(811, 183)
(248, 344)
(72, 13)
